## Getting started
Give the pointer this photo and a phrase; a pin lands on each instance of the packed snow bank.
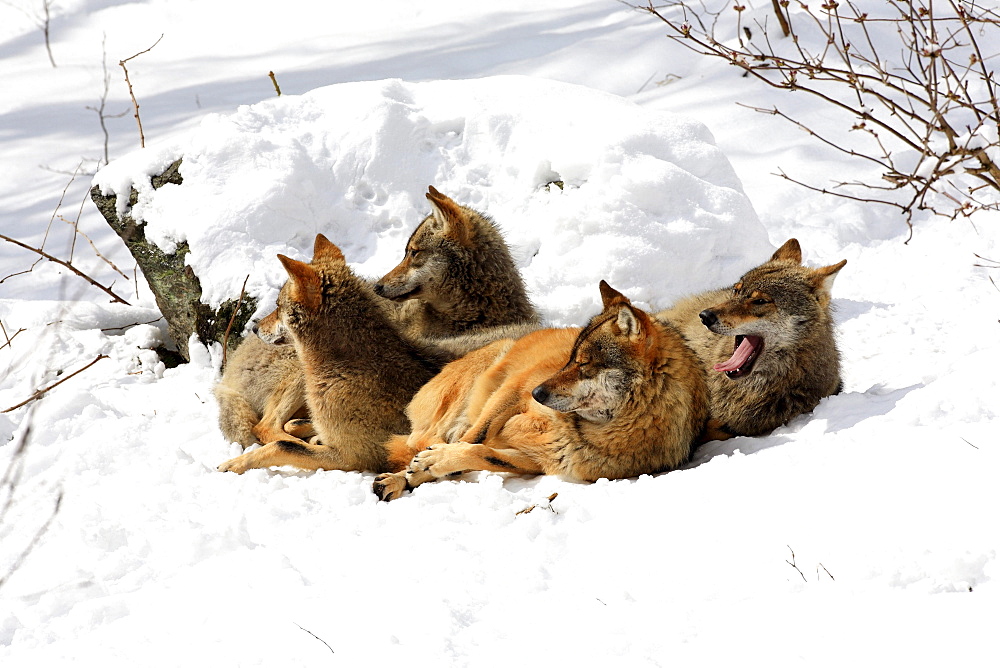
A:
(645, 200)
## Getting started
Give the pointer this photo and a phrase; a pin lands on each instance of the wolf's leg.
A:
(449, 459)
(287, 401)
(286, 452)
(237, 417)
(301, 428)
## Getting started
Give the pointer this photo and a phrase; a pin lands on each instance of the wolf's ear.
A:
(611, 297)
(449, 217)
(305, 282)
(325, 250)
(629, 321)
(790, 250)
(822, 280)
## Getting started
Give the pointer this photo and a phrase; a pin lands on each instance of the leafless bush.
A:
(912, 77)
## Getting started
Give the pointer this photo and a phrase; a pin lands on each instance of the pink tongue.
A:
(739, 358)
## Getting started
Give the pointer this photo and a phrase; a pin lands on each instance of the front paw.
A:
(437, 461)
(389, 486)
(239, 464)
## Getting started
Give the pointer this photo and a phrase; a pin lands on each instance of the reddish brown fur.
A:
(479, 413)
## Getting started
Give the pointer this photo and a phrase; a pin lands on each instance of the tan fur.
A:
(474, 295)
(621, 397)
(786, 304)
(457, 277)
(359, 372)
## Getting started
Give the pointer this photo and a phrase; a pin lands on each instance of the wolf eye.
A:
(413, 252)
(760, 302)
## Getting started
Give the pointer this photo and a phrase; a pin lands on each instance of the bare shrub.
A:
(911, 79)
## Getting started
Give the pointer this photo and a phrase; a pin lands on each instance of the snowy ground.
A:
(886, 494)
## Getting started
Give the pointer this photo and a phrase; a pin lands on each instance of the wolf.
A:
(359, 372)
(457, 276)
(618, 398)
(456, 289)
(767, 343)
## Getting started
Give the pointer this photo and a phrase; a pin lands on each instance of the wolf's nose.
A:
(540, 394)
(708, 317)
(379, 289)
(254, 328)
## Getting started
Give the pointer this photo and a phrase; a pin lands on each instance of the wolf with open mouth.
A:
(767, 343)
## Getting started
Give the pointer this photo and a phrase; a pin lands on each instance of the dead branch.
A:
(134, 324)
(792, 563)
(99, 110)
(93, 246)
(34, 541)
(316, 637)
(39, 393)
(274, 81)
(9, 338)
(68, 265)
(229, 327)
(135, 103)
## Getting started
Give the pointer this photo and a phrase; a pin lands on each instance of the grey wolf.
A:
(767, 343)
(457, 276)
(618, 398)
(359, 372)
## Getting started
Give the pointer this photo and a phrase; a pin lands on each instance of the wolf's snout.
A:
(540, 394)
(708, 317)
(379, 289)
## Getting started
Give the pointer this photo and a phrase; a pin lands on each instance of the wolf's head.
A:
(301, 297)
(608, 358)
(431, 253)
(772, 307)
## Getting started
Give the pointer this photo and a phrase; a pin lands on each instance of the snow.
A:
(864, 532)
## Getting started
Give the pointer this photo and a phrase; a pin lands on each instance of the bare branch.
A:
(69, 266)
(39, 393)
(229, 327)
(135, 103)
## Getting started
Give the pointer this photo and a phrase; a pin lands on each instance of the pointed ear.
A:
(451, 220)
(790, 250)
(325, 250)
(305, 283)
(611, 297)
(822, 279)
(629, 322)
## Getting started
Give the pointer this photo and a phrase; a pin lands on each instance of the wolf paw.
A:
(389, 486)
(236, 465)
(435, 462)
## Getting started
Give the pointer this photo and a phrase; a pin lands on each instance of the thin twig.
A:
(69, 266)
(225, 338)
(77, 230)
(316, 637)
(792, 563)
(135, 103)
(274, 81)
(134, 324)
(34, 541)
(39, 393)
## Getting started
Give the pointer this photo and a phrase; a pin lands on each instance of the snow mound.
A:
(586, 185)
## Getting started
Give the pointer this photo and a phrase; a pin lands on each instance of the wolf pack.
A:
(443, 366)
